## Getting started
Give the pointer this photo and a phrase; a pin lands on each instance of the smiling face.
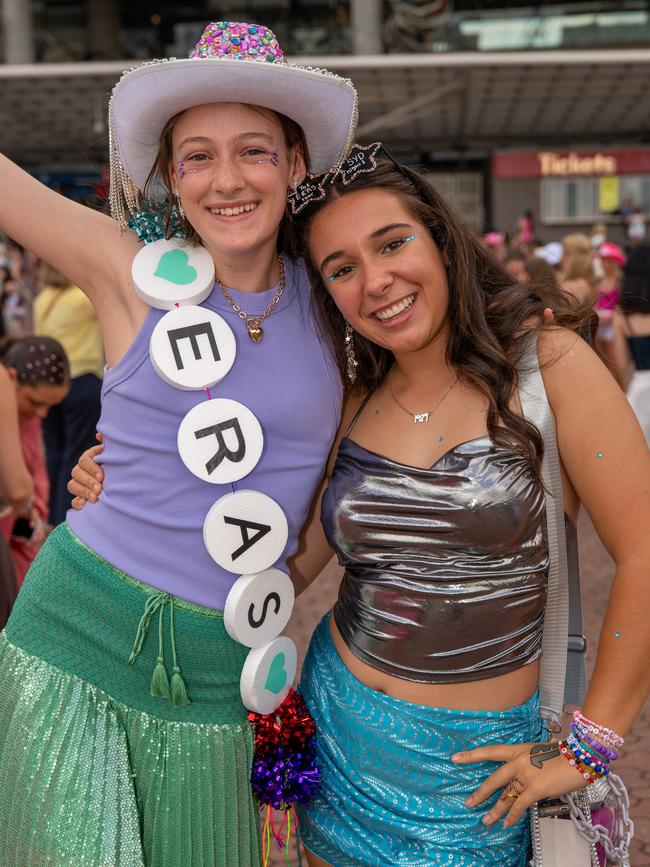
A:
(382, 269)
(232, 169)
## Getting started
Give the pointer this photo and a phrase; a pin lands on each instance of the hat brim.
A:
(323, 104)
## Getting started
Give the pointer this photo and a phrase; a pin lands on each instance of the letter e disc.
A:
(258, 607)
(245, 532)
(267, 675)
(170, 272)
(220, 441)
(192, 347)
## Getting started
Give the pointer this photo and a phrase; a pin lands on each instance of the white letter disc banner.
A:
(220, 441)
(245, 532)
(258, 607)
(268, 674)
(192, 347)
(170, 272)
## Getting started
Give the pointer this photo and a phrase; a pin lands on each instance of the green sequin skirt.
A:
(94, 770)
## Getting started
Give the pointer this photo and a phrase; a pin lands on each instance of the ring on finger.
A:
(512, 791)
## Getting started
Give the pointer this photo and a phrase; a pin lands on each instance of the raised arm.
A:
(80, 242)
(16, 487)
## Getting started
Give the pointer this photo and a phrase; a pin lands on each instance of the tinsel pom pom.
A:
(149, 222)
(285, 778)
(284, 766)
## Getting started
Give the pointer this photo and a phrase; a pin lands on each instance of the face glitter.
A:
(273, 160)
(617, 634)
(600, 454)
(410, 238)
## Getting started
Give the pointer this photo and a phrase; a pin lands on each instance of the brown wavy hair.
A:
(161, 172)
(487, 314)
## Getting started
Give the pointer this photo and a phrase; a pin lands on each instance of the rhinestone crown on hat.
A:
(238, 41)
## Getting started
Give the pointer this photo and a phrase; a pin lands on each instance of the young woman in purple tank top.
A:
(425, 678)
(126, 687)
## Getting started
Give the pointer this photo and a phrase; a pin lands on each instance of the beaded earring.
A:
(350, 356)
(179, 206)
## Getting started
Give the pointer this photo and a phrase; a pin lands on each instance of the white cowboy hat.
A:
(232, 62)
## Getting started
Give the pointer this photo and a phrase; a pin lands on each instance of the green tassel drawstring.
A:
(160, 684)
(159, 679)
(178, 690)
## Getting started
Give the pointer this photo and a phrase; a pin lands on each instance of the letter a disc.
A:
(245, 532)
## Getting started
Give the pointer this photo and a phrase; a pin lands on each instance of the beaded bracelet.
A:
(592, 763)
(601, 740)
(571, 759)
(606, 752)
(607, 735)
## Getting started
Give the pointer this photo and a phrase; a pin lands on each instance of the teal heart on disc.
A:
(277, 676)
(174, 266)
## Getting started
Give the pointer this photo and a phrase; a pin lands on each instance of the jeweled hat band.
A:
(239, 41)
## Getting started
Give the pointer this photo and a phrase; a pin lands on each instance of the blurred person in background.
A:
(496, 244)
(598, 235)
(525, 236)
(538, 270)
(577, 274)
(16, 487)
(64, 312)
(636, 226)
(515, 263)
(636, 308)
(34, 378)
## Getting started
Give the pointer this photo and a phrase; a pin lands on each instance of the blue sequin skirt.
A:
(390, 795)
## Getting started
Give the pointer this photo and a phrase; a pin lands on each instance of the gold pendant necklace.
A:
(421, 417)
(255, 331)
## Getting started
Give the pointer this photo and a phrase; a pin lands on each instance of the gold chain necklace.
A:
(255, 332)
(419, 417)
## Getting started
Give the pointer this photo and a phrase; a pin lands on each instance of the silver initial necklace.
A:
(421, 417)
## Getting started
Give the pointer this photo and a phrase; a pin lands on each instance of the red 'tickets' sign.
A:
(562, 164)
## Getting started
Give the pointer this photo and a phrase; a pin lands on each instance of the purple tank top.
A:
(149, 519)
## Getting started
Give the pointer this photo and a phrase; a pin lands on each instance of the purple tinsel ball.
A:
(280, 780)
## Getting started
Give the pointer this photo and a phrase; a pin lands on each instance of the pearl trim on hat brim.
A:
(145, 98)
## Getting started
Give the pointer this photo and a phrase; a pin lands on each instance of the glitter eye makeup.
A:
(184, 170)
(273, 160)
(410, 238)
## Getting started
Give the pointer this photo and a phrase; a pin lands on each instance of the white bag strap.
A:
(537, 410)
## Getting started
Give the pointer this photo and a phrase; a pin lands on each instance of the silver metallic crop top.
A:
(445, 568)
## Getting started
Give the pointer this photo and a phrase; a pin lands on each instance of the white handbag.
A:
(558, 842)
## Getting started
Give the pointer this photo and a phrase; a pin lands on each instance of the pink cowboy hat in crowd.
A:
(612, 252)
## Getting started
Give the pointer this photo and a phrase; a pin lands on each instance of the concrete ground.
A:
(597, 571)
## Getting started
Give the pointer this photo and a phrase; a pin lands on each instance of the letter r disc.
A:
(192, 347)
(258, 607)
(220, 441)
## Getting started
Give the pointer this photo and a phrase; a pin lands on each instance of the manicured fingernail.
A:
(469, 802)
(487, 818)
(96, 489)
(456, 757)
(98, 477)
(93, 498)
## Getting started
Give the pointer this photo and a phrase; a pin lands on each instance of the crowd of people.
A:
(613, 279)
(310, 319)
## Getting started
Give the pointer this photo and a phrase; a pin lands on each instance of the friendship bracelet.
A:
(578, 738)
(593, 763)
(601, 749)
(608, 735)
(602, 739)
(571, 759)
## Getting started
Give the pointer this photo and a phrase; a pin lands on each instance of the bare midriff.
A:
(494, 693)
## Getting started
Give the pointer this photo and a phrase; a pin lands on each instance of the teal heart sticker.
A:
(173, 266)
(277, 676)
